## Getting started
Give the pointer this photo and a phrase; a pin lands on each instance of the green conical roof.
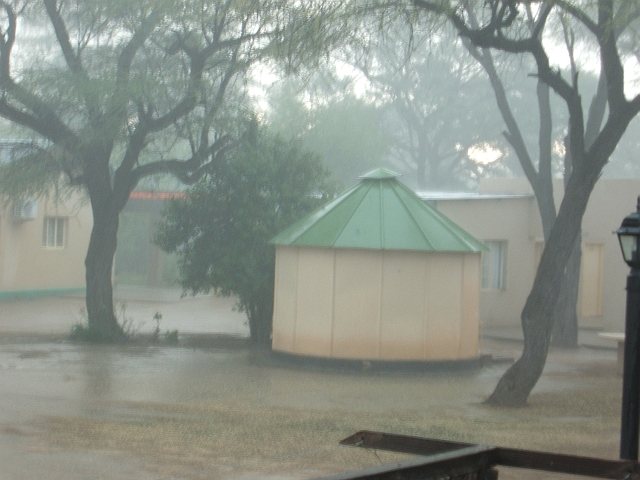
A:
(379, 213)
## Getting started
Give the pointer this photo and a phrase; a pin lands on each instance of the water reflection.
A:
(98, 370)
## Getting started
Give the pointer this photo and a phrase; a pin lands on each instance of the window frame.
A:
(496, 278)
(58, 237)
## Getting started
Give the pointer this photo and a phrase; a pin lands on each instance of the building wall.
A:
(379, 305)
(507, 220)
(138, 261)
(611, 201)
(28, 264)
(516, 221)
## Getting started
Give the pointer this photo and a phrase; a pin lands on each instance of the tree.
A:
(349, 135)
(220, 231)
(505, 26)
(128, 90)
(346, 131)
(539, 174)
(436, 103)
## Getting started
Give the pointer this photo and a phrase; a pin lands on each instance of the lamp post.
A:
(629, 236)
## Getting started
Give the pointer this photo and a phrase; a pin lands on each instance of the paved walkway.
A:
(586, 337)
(203, 314)
(56, 315)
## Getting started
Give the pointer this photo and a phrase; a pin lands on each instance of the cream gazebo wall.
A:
(378, 305)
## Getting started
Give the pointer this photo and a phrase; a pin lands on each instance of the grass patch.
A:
(213, 437)
(82, 331)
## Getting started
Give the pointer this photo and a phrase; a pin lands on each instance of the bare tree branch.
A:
(610, 57)
(7, 41)
(73, 61)
(580, 15)
(188, 171)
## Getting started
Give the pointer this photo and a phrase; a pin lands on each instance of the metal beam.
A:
(455, 463)
(511, 457)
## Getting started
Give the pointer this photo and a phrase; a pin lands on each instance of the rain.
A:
(289, 240)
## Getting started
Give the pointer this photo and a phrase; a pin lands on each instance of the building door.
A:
(591, 285)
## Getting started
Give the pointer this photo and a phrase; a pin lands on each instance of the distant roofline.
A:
(471, 196)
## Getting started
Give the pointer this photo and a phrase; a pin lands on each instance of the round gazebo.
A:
(377, 274)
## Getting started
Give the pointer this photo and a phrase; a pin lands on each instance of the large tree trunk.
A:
(565, 323)
(103, 325)
(260, 322)
(565, 319)
(538, 313)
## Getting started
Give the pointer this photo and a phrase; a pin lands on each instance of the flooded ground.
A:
(231, 411)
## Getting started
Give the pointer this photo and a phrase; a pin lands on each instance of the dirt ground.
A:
(224, 410)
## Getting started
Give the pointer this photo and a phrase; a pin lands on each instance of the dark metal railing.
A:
(455, 460)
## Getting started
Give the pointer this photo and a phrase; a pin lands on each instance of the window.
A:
(53, 232)
(494, 264)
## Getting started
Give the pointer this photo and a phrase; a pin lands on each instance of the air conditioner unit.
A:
(25, 210)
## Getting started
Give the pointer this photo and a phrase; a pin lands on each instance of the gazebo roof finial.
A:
(380, 174)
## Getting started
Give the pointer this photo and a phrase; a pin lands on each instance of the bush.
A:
(220, 230)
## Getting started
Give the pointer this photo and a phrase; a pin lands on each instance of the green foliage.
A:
(84, 331)
(27, 170)
(119, 91)
(221, 230)
(171, 337)
(80, 332)
(155, 335)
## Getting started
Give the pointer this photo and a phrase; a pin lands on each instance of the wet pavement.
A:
(41, 374)
(137, 305)
(145, 411)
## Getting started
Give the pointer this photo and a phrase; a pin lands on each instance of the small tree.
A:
(221, 230)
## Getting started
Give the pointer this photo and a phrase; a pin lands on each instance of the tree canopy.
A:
(435, 103)
(117, 91)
